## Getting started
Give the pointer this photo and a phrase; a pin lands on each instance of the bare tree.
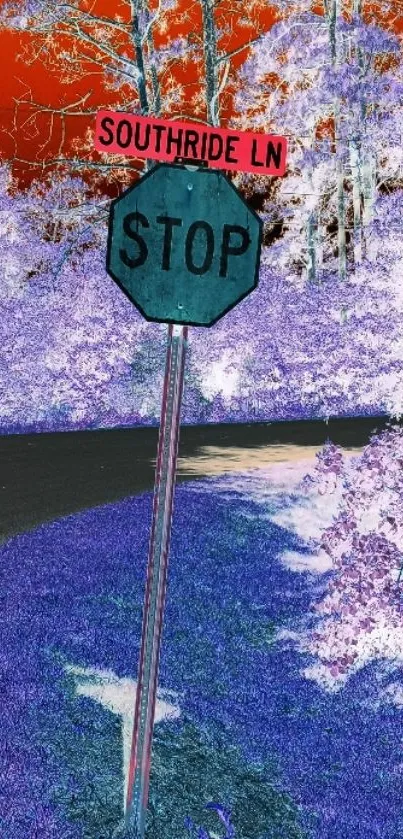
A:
(77, 41)
(217, 63)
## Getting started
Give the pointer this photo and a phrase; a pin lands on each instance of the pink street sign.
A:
(165, 140)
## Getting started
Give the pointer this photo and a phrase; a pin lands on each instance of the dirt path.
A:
(45, 476)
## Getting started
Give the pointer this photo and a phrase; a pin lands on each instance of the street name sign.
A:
(165, 140)
(183, 245)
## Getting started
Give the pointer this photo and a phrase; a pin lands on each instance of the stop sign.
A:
(183, 245)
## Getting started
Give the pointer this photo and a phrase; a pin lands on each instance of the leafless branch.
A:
(67, 110)
(96, 19)
(74, 163)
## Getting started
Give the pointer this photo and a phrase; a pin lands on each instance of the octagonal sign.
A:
(183, 245)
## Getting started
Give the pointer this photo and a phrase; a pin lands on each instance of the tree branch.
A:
(95, 19)
(118, 59)
(77, 164)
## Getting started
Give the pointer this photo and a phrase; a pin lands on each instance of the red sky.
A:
(25, 77)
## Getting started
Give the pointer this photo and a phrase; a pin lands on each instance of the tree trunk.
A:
(312, 226)
(357, 191)
(341, 221)
(155, 82)
(357, 10)
(368, 195)
(139, 6)
(210, 62)
(138, 48)
(319, 248)
(366, 162)
(312, 247)
(333, 13)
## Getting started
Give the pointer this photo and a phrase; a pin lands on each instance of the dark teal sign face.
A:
(183, 245)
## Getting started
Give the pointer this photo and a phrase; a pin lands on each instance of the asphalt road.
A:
(44, 476)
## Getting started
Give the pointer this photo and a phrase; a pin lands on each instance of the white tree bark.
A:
(368, 197)
(312, 247)
(210, 61)
(365, 169)
(333, 15)
(312, 228)
(357, 191)
(152, 67)
(146, 64)
(138, 49)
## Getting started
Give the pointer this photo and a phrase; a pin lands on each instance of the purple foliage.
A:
(75, 351)
(361, 613)
(76, 354)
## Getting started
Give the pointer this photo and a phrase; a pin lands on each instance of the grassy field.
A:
(238, 722)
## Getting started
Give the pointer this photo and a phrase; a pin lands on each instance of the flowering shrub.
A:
(361, 612)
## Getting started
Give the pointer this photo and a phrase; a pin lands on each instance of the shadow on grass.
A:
(72, 783)
(189, 768)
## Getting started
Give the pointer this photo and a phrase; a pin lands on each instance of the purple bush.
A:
(361, 613)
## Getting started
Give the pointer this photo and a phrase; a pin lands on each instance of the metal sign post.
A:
(140, 758)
